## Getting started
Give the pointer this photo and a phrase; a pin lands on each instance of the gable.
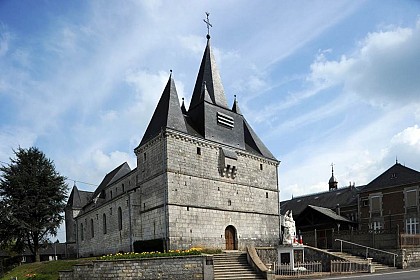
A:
(111, 177)
(396, 175)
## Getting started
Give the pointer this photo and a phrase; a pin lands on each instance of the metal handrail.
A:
(363, 246)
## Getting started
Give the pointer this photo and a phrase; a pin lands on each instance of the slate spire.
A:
(74, 198)
(235, 107)
(183, 109)
(168, 113)
(209, 74)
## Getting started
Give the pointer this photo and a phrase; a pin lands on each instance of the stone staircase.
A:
(233, 265)
(357, 259)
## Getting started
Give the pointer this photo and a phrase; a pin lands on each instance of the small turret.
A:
(332, 183)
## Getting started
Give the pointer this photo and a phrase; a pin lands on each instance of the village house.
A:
(388, 204)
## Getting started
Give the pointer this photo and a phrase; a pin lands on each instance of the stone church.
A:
(203, 179)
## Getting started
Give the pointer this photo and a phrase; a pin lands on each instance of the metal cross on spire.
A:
(207, 21)
(332, 167)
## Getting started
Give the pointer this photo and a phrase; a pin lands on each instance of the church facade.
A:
(203, 179)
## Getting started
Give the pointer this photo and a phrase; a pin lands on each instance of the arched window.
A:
(104, 222)
(92, 229)
(119, 218)
(82, 237)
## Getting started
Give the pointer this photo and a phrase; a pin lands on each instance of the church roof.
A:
(396, 175)
(208, 115)
(78, 199)
(168, 113)
(209, 75)
(111, 177)
(254, 143)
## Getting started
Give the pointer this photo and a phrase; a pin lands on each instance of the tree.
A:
(32, 200)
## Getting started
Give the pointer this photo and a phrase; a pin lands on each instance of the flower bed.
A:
(170, 253)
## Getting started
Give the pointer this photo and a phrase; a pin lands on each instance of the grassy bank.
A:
(49, 270)
(42, 270)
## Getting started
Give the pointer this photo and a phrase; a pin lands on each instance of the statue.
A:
(289, 235)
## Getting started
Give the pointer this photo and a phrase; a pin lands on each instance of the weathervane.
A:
(207, 21)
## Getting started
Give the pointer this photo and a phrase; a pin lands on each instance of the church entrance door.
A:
(230, 237)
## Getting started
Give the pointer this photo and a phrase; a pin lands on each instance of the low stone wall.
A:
(409, 257)
(267, 254)
(173, 268)
(315, 255)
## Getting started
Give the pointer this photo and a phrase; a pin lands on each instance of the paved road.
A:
(399, 275)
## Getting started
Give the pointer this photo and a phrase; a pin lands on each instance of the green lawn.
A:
(42, 270)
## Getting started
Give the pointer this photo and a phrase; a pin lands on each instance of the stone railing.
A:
(255, 261)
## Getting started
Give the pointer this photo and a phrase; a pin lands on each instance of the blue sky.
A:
(319, 81)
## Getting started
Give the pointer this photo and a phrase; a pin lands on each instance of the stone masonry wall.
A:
(195, 227)
(183, 159)
(149, 217)
(150, 159)
(202, 202)
(409, 258)
(110, 241)
(177, 268)
(179, 192)
(107, 237)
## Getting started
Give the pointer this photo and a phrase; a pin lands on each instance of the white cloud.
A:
(409, 136)
(405, 147)
(147, 85)
(107, 162)
(192, 43)
(383, 69)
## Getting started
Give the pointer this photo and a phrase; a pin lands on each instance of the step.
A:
(358, 259)
(233, 266)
